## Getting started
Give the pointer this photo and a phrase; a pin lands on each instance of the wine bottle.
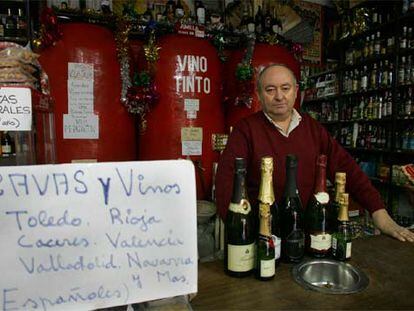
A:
(267, 197)
(239, 232)
(340, 181)
(342, 238)
(265, 247)
(317, 230)
(200, 11)
(292, 234)
(7, 145)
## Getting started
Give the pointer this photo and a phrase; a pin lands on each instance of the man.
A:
(279, 130)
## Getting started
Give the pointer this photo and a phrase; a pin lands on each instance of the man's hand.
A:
(387, 225)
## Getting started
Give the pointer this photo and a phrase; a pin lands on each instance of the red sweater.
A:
(255, 137)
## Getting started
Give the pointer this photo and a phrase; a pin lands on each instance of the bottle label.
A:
(322, 197)
(348, 250)
(267, 268)
(240, 258)
(242, 208)
(295, 245)
(277, 241)
(6, 148)
(321, 242)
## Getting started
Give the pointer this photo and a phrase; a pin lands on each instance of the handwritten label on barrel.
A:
(87, 236)
(15, 109)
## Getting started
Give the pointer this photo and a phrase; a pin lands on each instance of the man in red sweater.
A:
(279, 130)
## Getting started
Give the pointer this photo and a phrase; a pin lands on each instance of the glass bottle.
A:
(342, 238)
(340, 182)
(239, 230)
(179, 10)
(265, 248)
(258, 21)
(7, 145)
(267, 197)
(200, 11)
(317, 229)
(10, 27)
(292, 233)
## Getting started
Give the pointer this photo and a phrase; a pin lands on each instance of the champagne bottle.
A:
(267, 197)
(340, 181)
(292, 234)
(265, 246)
(318, 233)
(7, 145)
(239, 231)
(342, 238)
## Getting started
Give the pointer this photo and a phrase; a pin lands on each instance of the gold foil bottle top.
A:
(343, 207)
(266, 193)
(265, 219)
(340, 178)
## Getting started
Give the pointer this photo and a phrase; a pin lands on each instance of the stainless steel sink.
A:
(330, 276)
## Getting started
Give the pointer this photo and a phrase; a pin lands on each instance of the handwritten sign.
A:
(80, 122)
(15, 109)
(86, 236)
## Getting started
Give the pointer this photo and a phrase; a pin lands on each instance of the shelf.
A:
(367, 92)
(379, 181)
(407, 17)
(369, 61)
(383, 120)
(8, 161)
(404, 152)
(321, 99)
(320, 74)
(19, 40)
(404, 52)
(405, 118)
(373, 150)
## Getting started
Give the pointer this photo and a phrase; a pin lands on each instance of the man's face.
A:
(278, 92)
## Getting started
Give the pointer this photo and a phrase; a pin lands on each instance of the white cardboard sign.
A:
(87, 236)
(15, 109)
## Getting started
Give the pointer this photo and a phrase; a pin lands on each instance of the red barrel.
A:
(90, 44)
(263, 55)
(189, 109)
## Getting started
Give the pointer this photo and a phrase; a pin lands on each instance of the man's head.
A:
(277, 89)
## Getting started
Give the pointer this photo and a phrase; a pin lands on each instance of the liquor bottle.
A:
(267, 197)
(277, 26)
(317, 229)
(239, 231)
(10, 27)
(169, 11)
(341, 238)
(21, 25)
(179, 10)
(200, 12)
(148, 16)
(7, 145)
(265, 246)
(292, 233)
(268, 19)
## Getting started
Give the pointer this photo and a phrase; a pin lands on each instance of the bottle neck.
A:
(339, 189)
(290, 188)
(239, 187)
(266, 192)
(343, 213)
(265, 220)
(320, 183)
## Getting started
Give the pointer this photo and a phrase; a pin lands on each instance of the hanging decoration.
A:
(142, 95)
(121, 39)
(244, 75)
(50, 31)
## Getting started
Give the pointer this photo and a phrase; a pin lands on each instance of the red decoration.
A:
(50, 30)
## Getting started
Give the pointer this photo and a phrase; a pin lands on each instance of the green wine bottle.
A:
(239, 247)
(291, 212)
(342, 238)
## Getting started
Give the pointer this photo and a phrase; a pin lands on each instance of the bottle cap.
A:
(267, 164)
(340, 177)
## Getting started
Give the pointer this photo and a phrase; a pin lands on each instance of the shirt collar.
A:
(294, 122)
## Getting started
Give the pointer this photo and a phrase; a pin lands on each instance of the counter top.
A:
(388, 263)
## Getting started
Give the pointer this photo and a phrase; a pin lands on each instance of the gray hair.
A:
(263, 69)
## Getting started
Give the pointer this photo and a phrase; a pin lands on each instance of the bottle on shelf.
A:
(2, 35)
(7, 145)
(240, 236)
(259, 21)
(317, 228)
(292, 226)
(10, 27)
(342, 237)
(267, 197)
(200, 12)
(179, 10)
(21, 25)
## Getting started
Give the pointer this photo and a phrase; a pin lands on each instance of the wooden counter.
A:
(388, 263)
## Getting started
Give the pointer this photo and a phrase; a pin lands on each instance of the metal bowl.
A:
(330, 276)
